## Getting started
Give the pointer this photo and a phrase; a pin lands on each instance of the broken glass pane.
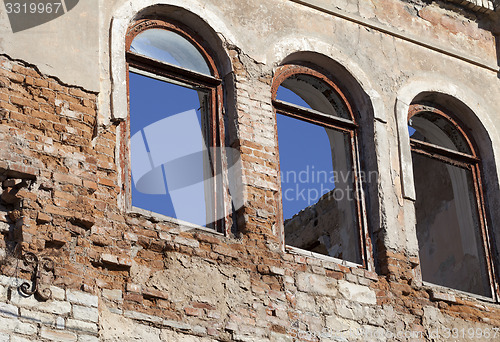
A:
(448, 228)
(171, 48)
(170, 151)
(318, 189)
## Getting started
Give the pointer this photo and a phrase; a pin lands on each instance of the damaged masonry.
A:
(249, 171)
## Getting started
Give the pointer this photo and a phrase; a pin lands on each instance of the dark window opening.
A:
(451, 224)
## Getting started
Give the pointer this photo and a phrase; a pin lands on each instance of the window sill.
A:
(303, 252)
(182, 225)
(455, 292)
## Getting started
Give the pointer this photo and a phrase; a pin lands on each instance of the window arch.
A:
(321, 197)
(452, 231)
(175, 125)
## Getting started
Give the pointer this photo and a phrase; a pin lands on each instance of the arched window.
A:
(451, 222)
(320, 178)
(175, 127)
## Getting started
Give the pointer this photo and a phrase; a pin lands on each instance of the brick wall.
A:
(69, 316)
(120, 276)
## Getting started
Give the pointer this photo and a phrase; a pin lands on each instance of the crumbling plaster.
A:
(380, 63)
(155, 281)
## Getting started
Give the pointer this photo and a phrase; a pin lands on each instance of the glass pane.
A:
(310, 92)
(289, 96)
(318, 189)
(170, 47)
(171, 170)
(432, 128)
(448, 230)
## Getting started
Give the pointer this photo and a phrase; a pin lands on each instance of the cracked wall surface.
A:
(122, 275)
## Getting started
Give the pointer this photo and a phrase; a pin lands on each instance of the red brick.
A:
(43, 218)
(41, 83)
(23, 102)
(77, 92)
(107, 182)
(67, 98)
(25, 71)
(151, 292)
(15, 77)
(193, 311)
(90, 184)
(65, 178)
(51, 209)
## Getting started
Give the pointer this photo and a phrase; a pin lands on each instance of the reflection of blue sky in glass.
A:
(305, 158)
(168, 136)
(169, 47)
(289, 96)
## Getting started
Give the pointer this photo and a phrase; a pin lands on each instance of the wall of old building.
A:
(125, 275)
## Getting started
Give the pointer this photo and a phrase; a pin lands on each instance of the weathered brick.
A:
(142, 316)
(447, 297)
(26, 328)
(17, 338)
(43, 218)
(357, 292)
(38, 317)
(20, 101)
(41, 83)
(134, 288)
(85, 313)
(8, 310)
(82, 298)
(65, 178)
(314, 283)
(115, 295)
(193, 311)
(25, 71)
(87, 338)
(58, 335)
(81, 326)
(51, 306)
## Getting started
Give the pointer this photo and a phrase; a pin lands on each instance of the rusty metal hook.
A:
(38, 265)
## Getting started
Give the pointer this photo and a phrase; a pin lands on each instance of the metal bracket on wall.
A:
(38, 265)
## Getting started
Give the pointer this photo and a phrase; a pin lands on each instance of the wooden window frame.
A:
(210, 83)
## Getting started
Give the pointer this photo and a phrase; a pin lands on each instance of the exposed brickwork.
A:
(60, 197)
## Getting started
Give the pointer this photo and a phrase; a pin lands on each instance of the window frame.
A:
(210, 83)
(470, 162)
(343, 125)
